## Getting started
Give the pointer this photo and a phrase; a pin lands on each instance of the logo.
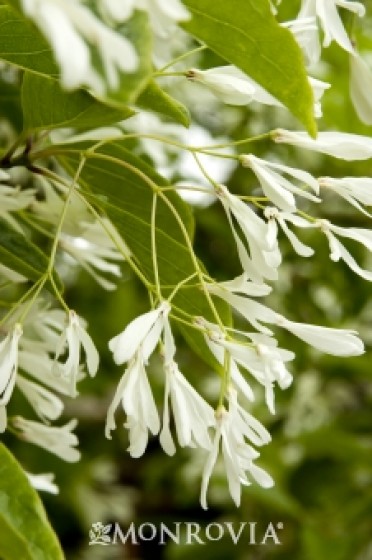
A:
(186, 533)
(99, 534)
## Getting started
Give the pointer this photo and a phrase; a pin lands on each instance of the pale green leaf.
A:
(246, 34)
(23, 45)
(25, 532)
(153, 98)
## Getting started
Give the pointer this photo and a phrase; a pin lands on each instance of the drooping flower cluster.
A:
(71, 27)
(41, 356)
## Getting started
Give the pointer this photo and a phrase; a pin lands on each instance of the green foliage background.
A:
(321, 452)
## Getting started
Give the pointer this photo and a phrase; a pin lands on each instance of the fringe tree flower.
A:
(45, 403)
(13, 199)
(134, 346)
(261, 357)
(226, 83)
(234, 427)
(306, 33)
(43, 482)
(75, 336)
(355, 190)
(275, 218)
(67, 24)
(94, 250)
(234, 87)
(336, 144)
(326, 11)
(339, 251)
(58, 440)
(135, 395)
(263, 260)
(192, 414)
(360, 85)
(8, 370)
(337, 342)
(143, 332)
(276, 187)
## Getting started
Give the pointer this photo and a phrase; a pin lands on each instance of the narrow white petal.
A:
(338, 342)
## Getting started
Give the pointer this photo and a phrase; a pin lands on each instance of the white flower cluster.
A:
(71, 27)
(34, 349)
(42, 356)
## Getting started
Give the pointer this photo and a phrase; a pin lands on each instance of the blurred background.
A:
(321, 452)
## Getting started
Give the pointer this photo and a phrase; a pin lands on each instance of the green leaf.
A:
(153, 98)
(10, 104)
(46, 105)
(115, 185)
(24, 528)
(21, 255)
(246, 34)
(23, 45)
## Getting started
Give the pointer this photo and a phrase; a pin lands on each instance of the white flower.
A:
(192, 414)
(144, 331)
(274, 217)
(253, 311)
(337, 144)
(233, 428)
(58, 440)
(265, 361)
(275, 186)
(164, 14)
(42, 326)
(353, 189)
(360, 86)
(261, 357)
(337, 342)
(326, 11)
(117, 10)
(43, 482)
(215, 340)
(135, 395)
(8, 370)
(94, 250)
(233, 87)
(243, 285)
(75, 336)
(67, 24)
(38, 364)
(306, 33)
(338, 251)
(263, 259)
(135, 345)
(46, 405)
(13, 199)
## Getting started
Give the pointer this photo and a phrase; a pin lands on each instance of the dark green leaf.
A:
(25, 532)
(153, 98)
(10, 104)
(46, 105)
(19, 254)
(126, 196)
(245, 33)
